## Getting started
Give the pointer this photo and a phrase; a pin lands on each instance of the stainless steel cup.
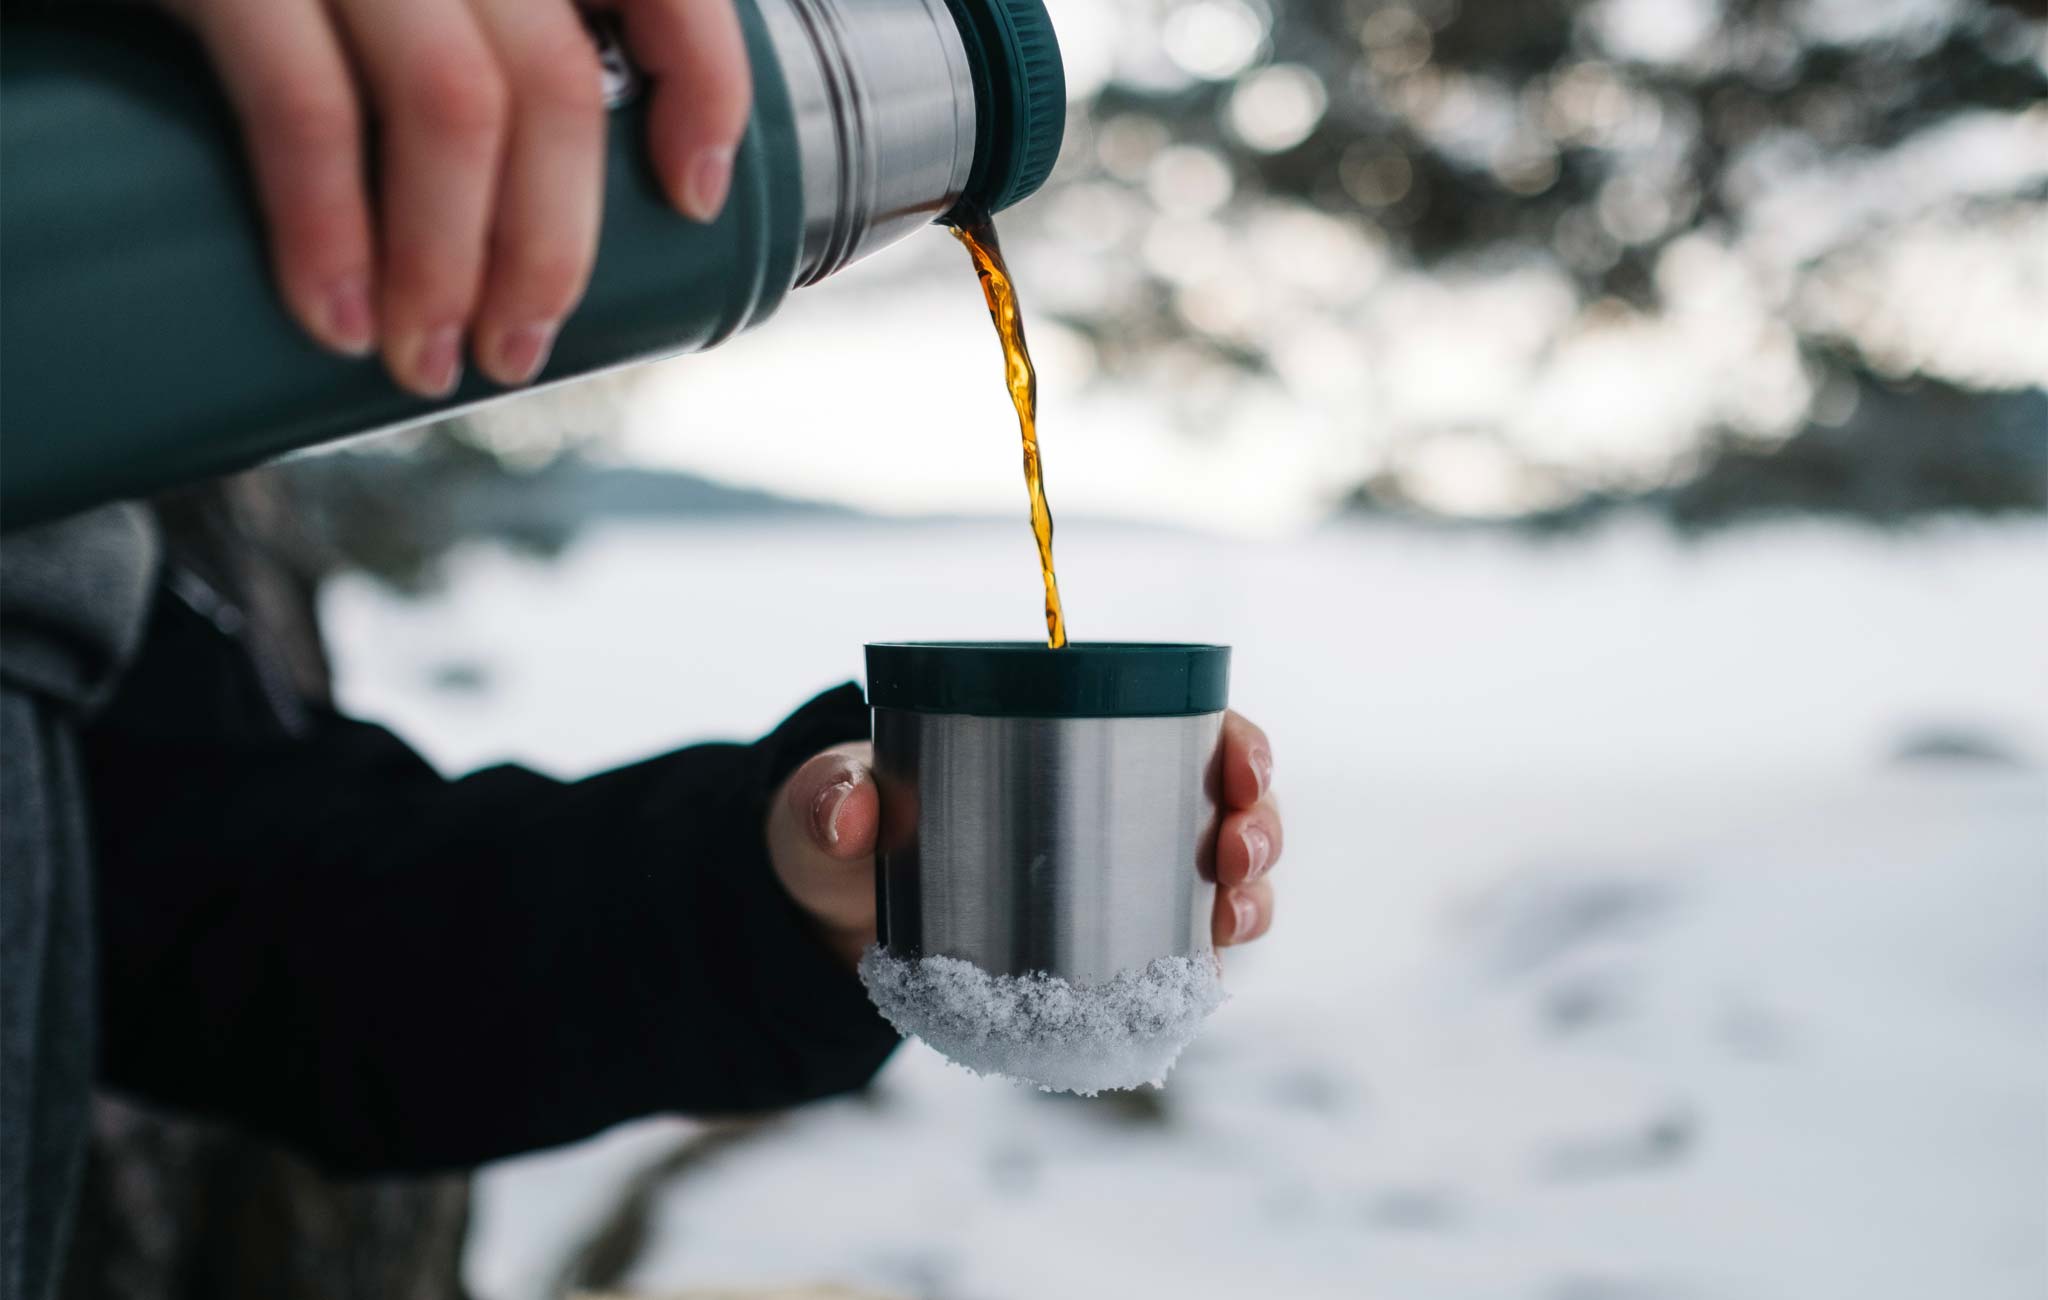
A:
(1047, 810)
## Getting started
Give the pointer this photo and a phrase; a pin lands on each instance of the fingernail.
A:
(825, 811)
(522, 352)
(350, 325)
(1247, 914)
(1262, 768)
(705, 182)
(1258, 848)
(438, 363)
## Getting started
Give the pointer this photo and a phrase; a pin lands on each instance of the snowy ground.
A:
(1620, 954)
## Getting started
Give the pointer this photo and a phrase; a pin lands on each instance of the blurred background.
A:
(1613, 436)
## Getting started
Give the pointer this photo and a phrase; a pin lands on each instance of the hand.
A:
(489, 117)
(822, 826)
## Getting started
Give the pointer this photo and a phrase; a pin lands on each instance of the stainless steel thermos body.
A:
(1048, 831)
(883, 104)
(144, 345)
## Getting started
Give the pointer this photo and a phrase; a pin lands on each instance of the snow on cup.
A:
(1044, 875)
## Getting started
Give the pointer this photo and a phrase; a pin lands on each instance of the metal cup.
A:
(1047, 810)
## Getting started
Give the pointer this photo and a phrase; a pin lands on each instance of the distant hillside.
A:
(1908, 450)
(573, 492)
(395, 515)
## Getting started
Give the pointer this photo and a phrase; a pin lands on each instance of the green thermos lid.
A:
(1020, 98)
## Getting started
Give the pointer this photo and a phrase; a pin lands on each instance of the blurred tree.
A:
(1605, 148)
(1888, 462)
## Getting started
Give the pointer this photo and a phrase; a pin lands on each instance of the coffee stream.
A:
(978, 233)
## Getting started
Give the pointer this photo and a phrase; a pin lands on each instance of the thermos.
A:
(1047, 811)
(142, 344)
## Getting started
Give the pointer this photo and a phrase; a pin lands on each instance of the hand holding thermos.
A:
(487, 118)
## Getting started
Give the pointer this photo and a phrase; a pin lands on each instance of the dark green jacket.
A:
(73, 596)
(302, 927)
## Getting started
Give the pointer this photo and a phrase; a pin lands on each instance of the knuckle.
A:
(313, 240)
(418, 274)
(307, 118)
(564, 81)
(539, 273)
(552, 277)
(458, 94)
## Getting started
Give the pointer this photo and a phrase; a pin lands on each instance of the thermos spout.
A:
(884, 115)
(908, 109)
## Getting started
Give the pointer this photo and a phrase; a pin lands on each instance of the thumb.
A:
(832, 798)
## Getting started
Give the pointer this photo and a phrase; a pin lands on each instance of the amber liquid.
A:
(978, 233)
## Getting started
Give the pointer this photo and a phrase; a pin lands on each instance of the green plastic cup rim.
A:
(1084, 679)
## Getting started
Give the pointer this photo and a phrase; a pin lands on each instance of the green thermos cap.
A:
(1020, 98)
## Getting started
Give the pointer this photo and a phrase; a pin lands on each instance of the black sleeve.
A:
(320, 937)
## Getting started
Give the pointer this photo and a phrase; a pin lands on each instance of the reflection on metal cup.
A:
(1047, 810)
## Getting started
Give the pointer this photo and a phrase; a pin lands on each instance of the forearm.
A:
(400, 972)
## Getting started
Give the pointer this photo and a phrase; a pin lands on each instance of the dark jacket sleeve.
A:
(320, 937)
